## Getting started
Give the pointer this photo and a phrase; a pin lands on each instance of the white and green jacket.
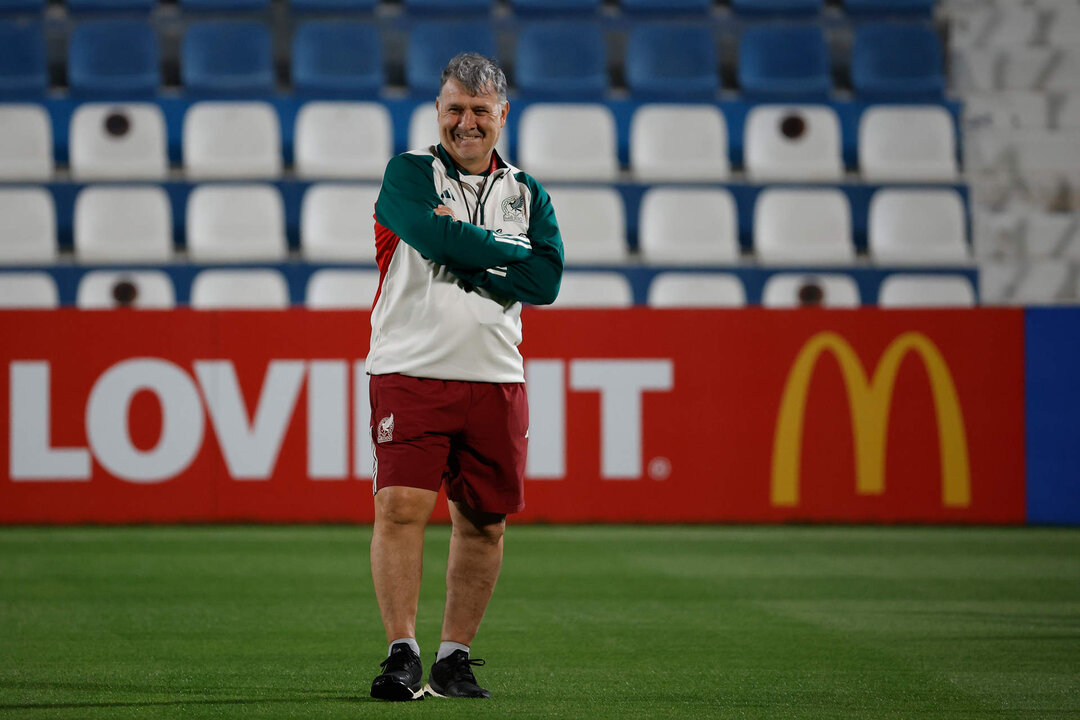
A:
(450, 291)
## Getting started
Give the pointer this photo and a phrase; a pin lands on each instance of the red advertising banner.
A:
(637, 415)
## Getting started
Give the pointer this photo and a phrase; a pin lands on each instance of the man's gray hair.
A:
(476, 74)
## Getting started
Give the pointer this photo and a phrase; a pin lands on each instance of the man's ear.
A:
(505, 112)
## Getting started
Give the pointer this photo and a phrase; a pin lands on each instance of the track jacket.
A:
(450, 291)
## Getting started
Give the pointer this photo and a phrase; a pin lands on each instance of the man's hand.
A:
(445, 211)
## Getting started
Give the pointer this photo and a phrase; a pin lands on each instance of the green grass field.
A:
(587, 622)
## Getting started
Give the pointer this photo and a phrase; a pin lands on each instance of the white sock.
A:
(446, 649)
(411, 642)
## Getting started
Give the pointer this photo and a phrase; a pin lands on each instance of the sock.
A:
(446, 649)
(411, 642)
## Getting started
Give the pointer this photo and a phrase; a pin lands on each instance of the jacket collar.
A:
(455, 173)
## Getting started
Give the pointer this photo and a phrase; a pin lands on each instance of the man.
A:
(462, 239)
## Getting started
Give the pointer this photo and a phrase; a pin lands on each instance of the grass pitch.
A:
(587, 622)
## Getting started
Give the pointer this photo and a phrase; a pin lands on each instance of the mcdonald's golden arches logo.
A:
(870, 401)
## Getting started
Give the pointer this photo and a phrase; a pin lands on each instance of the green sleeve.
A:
(406, 206)
(537, 278)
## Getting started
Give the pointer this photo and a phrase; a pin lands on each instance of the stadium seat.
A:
(784, 63)
(680, 226)
(672, 62)
(666, 8)
(344, 6)
(897, 62)
(28, 291)
(659, 151)
(123, 224)
(777, 8)
(227, 59)
(797, 227)
(907, 143)
(785, 142)
(193, 6)
(827, 290)
(548, 8)
(547, 151)
(231, 140)
(114, 58)
(337, 58)
(339, 289)
(236, 223)
(108, 141)
(870, 8)
(23, 67)
(925, 291)
(455, 8)
(110, 6)
(592, 222)
(696, 290)
(581, 289)
(27, 7)
(337, 223)
(255, 289)
(327, 143)
(561, 61)
(432, 44)
(27, 226)
(140, 289)
(26, 142)
(424, 130)
(917, 227)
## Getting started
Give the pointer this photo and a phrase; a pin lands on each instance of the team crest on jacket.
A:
(513, 208)
(386, 429)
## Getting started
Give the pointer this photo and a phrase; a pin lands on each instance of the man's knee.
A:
(478, 525)
(404, 506)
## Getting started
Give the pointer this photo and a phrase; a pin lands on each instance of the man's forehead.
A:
(452, 89)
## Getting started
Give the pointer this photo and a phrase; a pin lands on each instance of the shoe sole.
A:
(428, 690)
(396, 692)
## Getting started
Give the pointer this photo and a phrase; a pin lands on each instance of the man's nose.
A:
(467, 119)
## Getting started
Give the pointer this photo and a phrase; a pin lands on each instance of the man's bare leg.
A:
(397, 555)
(476, 550)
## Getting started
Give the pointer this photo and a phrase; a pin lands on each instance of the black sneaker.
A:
(453, 677)
(401, 676)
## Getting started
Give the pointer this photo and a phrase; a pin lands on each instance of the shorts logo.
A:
(386, 429)
(513, 208)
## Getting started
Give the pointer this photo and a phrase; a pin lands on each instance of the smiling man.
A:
(462, 240)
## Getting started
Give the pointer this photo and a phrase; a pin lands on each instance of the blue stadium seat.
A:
(785, 8)
(337, 58)
(671, 61)
(897, 61)
(333, 5)
(110, 6)
(784, 62)
(549, 8)
(23, 69)
(863, 8)
(666, 8)
(21, 6)
(456, 8)
(223, 5)
(227, 59)
(115, 58)
(432, 44)
(561, 60)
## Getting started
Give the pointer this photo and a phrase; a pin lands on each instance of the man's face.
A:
(469, 125)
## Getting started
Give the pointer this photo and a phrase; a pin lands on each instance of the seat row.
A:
(677, 226)
(349, 288)
(667, 142)
(552, 60)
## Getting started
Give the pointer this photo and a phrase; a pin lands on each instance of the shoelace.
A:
(465, 668)
(401, 658)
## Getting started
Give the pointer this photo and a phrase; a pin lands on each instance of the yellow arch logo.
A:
(870, 401)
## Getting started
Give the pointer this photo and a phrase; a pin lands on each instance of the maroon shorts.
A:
(472, 436)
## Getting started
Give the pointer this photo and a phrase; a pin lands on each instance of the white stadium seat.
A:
(925, 291)
(231, 140)
(26, 143)
(688, 226)
(123, 224)
(803, 227)
(917, 227)
(341, 289)
(549, 153)
(142, 289)
(337, 223)
(907, 143)
(696, 290)
(118, 141)
(827, 290)
(28, 290)
(236, 223)
(342, 140)
(792, 142)
(593, 290)
(592, 223)
(262, 289)
(659, 151)
(27, 226)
